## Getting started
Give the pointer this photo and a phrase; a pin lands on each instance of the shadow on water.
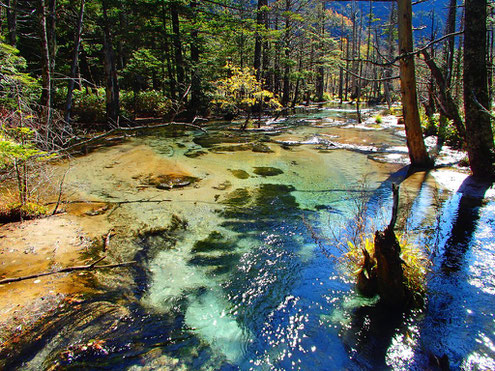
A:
(377, 338)
(465, 223)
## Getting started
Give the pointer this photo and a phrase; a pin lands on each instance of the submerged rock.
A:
(267, 171)
(232, 148)
(209, 141)
(224, 185)
(171, 181)
(194, 153)
(261, 148)
(239, 174)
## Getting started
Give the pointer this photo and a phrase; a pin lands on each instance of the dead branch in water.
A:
(131, 130)
(67, 270)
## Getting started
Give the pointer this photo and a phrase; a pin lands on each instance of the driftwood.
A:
(130, 130)
(67, 270)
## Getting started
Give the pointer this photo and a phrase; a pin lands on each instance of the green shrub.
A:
(145, 103)
(88, 106)
(378, 119)
(416, 263)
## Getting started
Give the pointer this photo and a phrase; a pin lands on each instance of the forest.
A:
(207, 165)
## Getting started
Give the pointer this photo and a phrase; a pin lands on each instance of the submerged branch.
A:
(68, 270)
(131, 130)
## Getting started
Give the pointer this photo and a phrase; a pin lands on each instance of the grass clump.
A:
(378, 119)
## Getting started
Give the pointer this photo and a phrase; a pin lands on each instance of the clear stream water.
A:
(245, 286)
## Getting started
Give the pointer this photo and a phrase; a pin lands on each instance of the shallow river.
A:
(229, 274)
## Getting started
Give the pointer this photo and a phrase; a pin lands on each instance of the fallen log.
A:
(67, 270)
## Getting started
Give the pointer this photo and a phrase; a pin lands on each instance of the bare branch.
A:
(67, 270)
(368, 79)
(129, 130)
(406, 55)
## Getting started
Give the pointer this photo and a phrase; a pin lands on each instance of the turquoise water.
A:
(244, 285)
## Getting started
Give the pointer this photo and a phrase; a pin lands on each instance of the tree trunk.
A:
(195, 102)
(174, 14)
(46, 75)
(112, 86)
(320, 71)
(286, 85)
(415, 144)
(479, 136)
(447, 103)
(449, 52)
(52, 34)
(258, 38)
(267, 74)
(168, 57)
(73, 68)
(12, 21)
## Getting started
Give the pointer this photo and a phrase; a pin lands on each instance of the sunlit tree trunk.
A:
(479, 136)
(415, 143)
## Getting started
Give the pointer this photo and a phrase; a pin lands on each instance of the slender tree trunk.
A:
(276, 68)
(12, 21)
(341, 70)
(447, 103)
(298, 83)
(174, 13)
(414, 135)
(266, 73)
(449, 52)
(286, 85)
(320, 71)
(458, 63)
(387, 85)
(168, 57)
(73, 68)
(195, 102)
(112, 86)
(46, 75)
(52, 34)
(479, 136)
(258, 38)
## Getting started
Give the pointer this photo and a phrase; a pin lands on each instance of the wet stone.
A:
(267, 171)
(261, 148)
(239, 174)
(168, 182)
(194, 153)
(233, 148)
(209, 141)
(223, 186)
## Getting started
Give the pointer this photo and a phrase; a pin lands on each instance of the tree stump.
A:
(389, 273)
